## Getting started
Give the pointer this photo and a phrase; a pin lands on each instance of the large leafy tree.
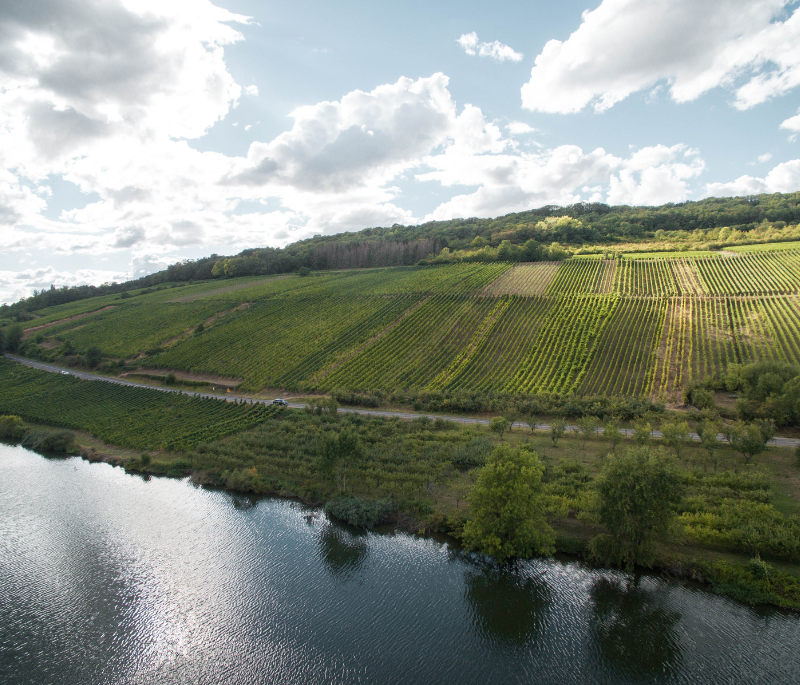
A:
(507, 508)
(637, 494)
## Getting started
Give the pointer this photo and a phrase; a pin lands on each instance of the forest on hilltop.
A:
(534, 235)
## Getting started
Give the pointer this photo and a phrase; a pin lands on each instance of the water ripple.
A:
(110, 578)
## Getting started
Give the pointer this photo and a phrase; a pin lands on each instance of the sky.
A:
(136, 133)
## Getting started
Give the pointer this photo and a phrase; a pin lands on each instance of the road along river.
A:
(777, 441)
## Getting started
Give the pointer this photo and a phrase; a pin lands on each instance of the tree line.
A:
(399, 245)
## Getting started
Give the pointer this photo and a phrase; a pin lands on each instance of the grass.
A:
(766, 247)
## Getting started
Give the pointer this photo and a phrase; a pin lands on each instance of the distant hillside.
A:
(534, 235)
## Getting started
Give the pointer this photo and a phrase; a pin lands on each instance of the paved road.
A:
(231, 397)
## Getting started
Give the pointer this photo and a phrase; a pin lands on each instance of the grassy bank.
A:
(420, 473)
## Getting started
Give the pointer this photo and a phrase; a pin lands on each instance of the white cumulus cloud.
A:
(496, 50)
(792, 123)
(625, 46)
(516, 128)
(783, 178)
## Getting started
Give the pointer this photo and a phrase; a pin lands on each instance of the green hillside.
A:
(627, 327)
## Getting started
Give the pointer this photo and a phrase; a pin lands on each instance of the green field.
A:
(635, 327)
(121, 415)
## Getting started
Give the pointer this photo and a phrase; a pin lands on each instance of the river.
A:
(110, 578)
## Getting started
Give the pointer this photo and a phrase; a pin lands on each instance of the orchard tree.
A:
(612, 434)
(642, 432)
(586, 427)
(675, 434)
(709, 432)
(531, 418)
(507, 509)
(499, 425)
(338, 453)
(750, 439)
(557, 428)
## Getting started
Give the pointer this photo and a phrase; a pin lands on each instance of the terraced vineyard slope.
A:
(637, 327)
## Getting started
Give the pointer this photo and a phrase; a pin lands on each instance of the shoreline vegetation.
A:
(735, 525)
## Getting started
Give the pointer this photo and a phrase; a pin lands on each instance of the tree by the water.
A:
(637, 494)
(507, 512)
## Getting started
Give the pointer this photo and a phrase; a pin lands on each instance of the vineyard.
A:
(126, 416)
(631, 327)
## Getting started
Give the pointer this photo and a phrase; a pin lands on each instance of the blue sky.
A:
(134, 134)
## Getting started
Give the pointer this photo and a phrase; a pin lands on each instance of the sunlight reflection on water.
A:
(108, 578)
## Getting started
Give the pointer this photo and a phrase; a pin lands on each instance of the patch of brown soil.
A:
(29, 331)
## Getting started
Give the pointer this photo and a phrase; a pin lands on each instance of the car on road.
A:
(280, 402)
(66, 373)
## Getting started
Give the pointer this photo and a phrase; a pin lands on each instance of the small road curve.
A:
(230, 397)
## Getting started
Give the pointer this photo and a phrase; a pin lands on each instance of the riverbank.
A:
(171, 583)
(425, 470)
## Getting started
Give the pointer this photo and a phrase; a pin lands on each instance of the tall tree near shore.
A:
(637, 494)
(507, 512)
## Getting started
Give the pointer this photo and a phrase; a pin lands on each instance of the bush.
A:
(359, 512)
(46, 441)
(752, 527)
(758, 568)
(304, 271)
(699, 394)
(13, 337)
(93, 357)
(12, 427)
(171, 379)
(244, 480)
(469, 455)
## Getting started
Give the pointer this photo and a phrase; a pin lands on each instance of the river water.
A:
(109, 578)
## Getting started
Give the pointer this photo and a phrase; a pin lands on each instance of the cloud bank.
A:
(784, 178)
